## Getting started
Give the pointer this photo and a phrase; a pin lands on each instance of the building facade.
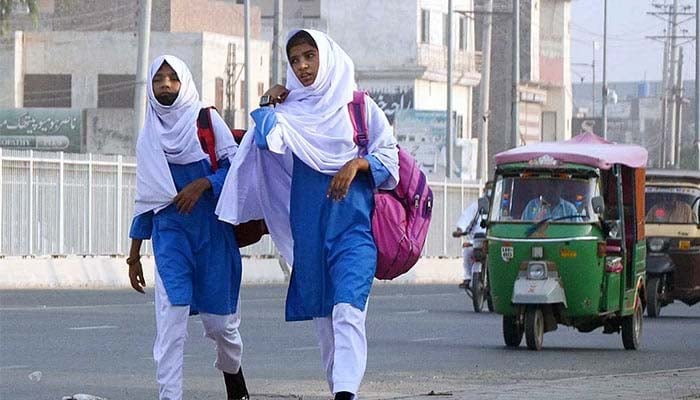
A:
(94, 70)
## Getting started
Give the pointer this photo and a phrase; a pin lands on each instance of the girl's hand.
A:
(340, 184)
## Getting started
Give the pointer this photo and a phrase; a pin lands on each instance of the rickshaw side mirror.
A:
(484, 205)
(598, 205)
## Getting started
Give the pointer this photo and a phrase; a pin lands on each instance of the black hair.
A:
(301, 37)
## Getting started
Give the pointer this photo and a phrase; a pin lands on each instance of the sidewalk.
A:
(672, 384)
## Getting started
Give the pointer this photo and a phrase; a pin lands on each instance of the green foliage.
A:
(7, 7)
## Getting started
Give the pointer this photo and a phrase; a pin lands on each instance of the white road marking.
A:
(412, 312)
(13, 367)
(308, 348)
(432, 339)
(90, 328)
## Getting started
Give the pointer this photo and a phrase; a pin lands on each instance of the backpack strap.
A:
(358, 117)
(205, 132)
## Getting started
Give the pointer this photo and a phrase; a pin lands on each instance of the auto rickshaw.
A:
(566, 241)
(673, 238)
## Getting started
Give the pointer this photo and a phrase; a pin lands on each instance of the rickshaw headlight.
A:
(537, 271)
(656, 244)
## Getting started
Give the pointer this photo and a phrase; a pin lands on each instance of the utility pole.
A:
(673, 71)
(276, 48)
(697, 84)
(669, 13)
(230, 111)
(142, 66)
(605, 67)
(515, 111)
(595, 45)
(678, 111)
(246, 84)
(449, 136)
(484, 94)
(664, 100)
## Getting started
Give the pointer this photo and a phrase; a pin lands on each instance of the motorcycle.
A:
(478, 289)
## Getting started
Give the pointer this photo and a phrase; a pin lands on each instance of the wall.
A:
(215, 53)
(111, 53)
(385, 38)
(224, 17)
(11, 78)
(109, 131)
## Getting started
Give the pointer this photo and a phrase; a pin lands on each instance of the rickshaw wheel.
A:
(653, 301)
(632, 327)
(512, 331)
(534, 328)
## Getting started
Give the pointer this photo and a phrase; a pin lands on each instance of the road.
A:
(422, 338)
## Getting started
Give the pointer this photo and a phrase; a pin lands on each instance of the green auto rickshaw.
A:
(566, 239)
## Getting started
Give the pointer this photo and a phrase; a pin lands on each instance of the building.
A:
(635, 116)
(400, 55)
(545, 76)
(90, 67)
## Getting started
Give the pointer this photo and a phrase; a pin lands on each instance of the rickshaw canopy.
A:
(586, 148)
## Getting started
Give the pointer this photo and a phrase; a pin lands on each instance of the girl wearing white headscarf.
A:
(314, 187)
(198, 264)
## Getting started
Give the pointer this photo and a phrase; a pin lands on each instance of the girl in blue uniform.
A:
(198, 265)
(314, 187)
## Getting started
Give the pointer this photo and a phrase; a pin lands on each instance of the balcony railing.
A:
(434, 58)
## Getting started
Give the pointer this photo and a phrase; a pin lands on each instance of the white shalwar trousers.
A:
(171, 333)
(343, 341)
(467, 261)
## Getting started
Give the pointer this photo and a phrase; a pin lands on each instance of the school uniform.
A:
(198, 264)
(295, 150)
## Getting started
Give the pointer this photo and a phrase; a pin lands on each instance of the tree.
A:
(7, 7)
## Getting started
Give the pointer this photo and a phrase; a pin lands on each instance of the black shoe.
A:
(464, 284)
(235, 386)
(344, 396)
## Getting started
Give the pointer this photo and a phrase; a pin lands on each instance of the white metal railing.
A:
(62, 203)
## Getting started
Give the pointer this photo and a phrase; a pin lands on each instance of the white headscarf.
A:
(314, 121)
(169, 135)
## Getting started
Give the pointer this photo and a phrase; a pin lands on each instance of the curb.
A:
(103, 272)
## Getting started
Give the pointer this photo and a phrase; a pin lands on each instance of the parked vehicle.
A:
(673, 238)
(566, 239)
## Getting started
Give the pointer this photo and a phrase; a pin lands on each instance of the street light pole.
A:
(595, 44)
(697, 84)
(246, 84)
(449, 136)
(142, 66)
(605, 65)
(515, 111)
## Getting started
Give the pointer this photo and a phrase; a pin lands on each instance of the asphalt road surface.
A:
(422, 338)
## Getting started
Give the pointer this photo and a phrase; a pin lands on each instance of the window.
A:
(219, 93)
(463, 31)
(261, 89)
(115, 91)
(425, 26)
(459, 125)
(445, 29)
(44, 90)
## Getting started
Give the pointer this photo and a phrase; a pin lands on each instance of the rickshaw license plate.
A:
(507, 253)
(684, 244)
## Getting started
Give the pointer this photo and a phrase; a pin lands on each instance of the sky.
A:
(631, 56)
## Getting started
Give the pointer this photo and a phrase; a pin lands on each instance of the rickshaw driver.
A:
(671, 210)
(550, 205)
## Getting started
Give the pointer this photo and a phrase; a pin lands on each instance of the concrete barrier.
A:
(97, 272)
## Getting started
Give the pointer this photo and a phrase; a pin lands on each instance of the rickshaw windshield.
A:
(672, 205)
(559, 198)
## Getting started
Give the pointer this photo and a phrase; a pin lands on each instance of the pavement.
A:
(671, 384)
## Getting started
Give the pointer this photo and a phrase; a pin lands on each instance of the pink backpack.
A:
(401, 216)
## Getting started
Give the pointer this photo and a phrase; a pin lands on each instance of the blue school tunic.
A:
(335, 256)
(196, 254)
